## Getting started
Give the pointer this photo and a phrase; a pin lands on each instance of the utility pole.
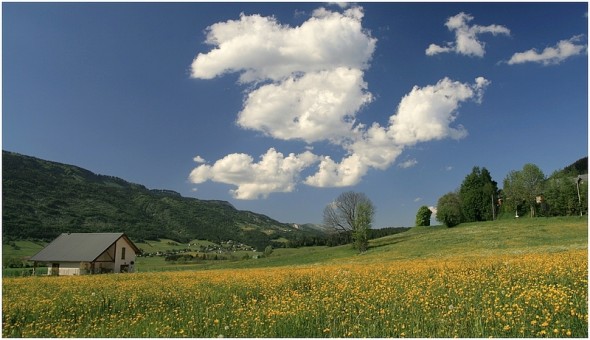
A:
(579, 198)
(493, 209)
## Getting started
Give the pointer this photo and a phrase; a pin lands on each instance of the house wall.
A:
(65, 268)
(105, 263)
(128, 261)
(112, 259)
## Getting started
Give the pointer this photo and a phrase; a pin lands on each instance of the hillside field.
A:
(508, 278)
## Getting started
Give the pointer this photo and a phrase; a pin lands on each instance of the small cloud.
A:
(449, 168)
(408, 164)
(342, 5)
(199, 159)
(299, 13)
(194, 189)
(417, 199)
(436, 49)
(466, 37)
(551, 55)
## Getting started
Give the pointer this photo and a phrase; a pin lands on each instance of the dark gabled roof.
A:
(79, 247)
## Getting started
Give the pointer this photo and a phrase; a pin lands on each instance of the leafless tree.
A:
(351, 212)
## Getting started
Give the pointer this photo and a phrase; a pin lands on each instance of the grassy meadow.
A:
(515, 278)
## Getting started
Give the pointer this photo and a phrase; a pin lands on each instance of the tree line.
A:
(525, 192)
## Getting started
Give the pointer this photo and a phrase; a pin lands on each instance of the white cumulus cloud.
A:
(466, 36)
(551, 55)
(272, 173)
(427, 113)
(375, 147)
(261, 48)
(199, 159)
(316, 106)
(331, 174)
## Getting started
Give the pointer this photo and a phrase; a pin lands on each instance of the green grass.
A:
(525, 235)
(515, 236)
(510, 236)
(22, 249)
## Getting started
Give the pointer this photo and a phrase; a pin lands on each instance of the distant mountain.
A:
(41, 199)
(313, 227)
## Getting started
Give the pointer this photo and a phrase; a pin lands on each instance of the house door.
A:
(124, 268)
(55, 269)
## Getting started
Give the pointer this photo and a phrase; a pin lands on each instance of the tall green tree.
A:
(423, 216)
(478, 193)
(448, 209)
(363, 224)
(351, 212)
(561, 194)
(524, 186)
(513, 193)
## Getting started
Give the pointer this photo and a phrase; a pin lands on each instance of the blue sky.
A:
(278, 108)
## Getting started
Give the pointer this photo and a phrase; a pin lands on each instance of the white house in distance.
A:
(88, 253)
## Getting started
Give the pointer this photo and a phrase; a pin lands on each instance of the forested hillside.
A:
(41, 199)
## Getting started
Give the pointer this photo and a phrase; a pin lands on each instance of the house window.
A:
(123, 253)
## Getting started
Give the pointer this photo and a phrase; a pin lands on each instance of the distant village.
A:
(205, 252)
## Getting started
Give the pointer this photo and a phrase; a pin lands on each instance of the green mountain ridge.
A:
(41, 199)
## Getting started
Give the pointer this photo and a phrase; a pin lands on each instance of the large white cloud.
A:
(466, 36)
(551, 55)
(427, 113)
(316, 106)
(306, 83)
(261, 48)
(273, 173)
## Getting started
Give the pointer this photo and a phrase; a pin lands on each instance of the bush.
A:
(423, 216)
(178, 257)
(449, 209)
(15, 262)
